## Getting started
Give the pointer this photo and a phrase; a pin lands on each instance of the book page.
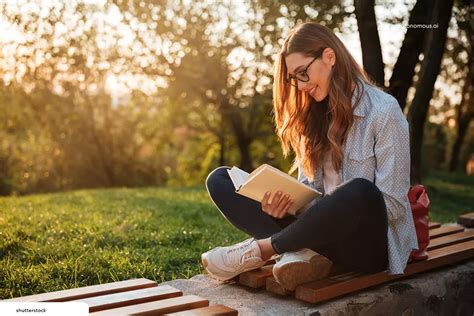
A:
(238, 176)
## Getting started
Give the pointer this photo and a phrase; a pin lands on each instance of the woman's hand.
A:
(279, 206)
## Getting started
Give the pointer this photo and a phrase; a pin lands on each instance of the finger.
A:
(270, 208)
(266, 196)
(286, 208)
(283, 201)
(276, 199)
(264, 202)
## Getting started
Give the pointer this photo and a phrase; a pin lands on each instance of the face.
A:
(319, 72)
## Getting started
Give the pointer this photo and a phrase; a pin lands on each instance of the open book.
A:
(267, 178)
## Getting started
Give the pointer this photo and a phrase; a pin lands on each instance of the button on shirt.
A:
(377, 148)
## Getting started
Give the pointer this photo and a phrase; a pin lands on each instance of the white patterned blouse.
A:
(377, 148)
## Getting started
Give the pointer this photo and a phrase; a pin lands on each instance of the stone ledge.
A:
(444, 291)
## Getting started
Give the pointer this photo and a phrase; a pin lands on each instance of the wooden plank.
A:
(87, 291)
(220, 310)
(320, 290)
(170, 305)
(274, 287)
(451, 239)
(332, 280)
(466, 220)
(256, 278)
(433, 225)
(337, 272)
(445, 230)
(103, 302)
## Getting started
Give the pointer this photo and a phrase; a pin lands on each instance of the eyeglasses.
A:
(302, 75)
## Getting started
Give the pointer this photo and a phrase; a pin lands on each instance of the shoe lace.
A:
(235, 257)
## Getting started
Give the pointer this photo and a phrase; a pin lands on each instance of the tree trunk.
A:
(430, 67)
(404, 69)
(233, 118)
(369, 39)
(222, 148)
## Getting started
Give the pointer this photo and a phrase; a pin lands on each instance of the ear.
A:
(329, 56)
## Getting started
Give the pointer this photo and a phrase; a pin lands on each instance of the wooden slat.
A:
(466, 219)
(156, 293)
(445, 230)
(451, 239)
(338, 272)
(274, 287)
(433, 225)
(320, 291)
(220, 310)
(256, 278)
(332, 280)
(87, 291)
(170, 305)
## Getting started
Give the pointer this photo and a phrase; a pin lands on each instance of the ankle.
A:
(266, 249)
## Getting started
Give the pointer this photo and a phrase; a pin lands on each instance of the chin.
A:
(319, 98)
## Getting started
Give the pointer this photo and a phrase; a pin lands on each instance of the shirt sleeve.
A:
(392, 155)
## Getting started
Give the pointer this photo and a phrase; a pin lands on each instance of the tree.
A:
(465, 110)
(369, 37)
(433, 53)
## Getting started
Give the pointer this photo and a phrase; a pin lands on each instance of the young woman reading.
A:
(351, 142)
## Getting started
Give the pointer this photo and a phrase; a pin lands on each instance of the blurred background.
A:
(100, 93)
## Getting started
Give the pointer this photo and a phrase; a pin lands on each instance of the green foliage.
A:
(434, 147)
(451, 194)
(192, 92)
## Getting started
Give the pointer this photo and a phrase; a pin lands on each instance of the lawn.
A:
(57, 241)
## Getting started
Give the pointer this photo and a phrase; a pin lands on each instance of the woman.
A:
(351, 142)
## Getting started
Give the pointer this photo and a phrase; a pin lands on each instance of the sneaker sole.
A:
(292, 274)
(205, 263)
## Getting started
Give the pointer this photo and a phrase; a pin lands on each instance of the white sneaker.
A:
(224, 263)
(297, 267)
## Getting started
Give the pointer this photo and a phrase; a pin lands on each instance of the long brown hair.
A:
(311, 130)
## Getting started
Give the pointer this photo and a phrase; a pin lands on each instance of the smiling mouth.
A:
(313, 90)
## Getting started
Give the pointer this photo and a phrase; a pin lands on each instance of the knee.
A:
(215, 177)
(369, 190)
(363, 184)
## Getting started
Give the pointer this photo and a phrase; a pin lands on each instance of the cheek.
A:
(320, 76)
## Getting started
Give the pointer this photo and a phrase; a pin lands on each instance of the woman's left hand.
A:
(279, 206)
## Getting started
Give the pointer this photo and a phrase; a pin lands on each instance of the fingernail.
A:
(279, 192)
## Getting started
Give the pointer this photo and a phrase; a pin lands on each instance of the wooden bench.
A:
(467, 219)
(448, 244)
(132, 297)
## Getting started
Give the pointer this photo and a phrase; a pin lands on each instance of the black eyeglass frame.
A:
(293, 79)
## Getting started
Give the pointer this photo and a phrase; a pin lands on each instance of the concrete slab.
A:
(444, 291)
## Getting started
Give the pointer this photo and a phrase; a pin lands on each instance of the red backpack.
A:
(420, 204)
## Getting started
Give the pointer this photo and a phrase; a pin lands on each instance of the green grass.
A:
(57, 241)
(50, 242)
(451, 194)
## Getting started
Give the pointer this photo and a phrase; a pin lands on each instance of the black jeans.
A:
(349, 227)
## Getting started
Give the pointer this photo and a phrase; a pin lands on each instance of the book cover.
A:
(267, 178)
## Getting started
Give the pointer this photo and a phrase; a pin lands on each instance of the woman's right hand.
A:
(279, 205)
